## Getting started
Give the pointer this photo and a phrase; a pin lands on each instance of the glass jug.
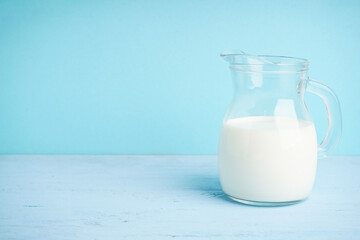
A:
(268, 148)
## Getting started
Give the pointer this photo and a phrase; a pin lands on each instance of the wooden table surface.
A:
(163, 197)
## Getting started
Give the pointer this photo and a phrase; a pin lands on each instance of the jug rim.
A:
(241, 61)
(291, 60)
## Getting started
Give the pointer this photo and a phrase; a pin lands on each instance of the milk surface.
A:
(267, 159)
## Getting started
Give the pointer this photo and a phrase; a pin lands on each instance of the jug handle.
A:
(333, 110)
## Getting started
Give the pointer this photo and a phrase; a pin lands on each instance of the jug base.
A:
(263, 204)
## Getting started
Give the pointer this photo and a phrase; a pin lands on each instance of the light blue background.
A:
(145, 77)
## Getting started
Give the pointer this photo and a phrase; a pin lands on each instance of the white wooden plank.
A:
(163, 197)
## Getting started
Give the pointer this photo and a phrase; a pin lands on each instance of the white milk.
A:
(267, 159)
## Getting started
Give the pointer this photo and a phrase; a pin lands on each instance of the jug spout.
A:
(233, 56)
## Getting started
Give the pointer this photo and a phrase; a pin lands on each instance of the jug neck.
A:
(283, 85)
(285, 76)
